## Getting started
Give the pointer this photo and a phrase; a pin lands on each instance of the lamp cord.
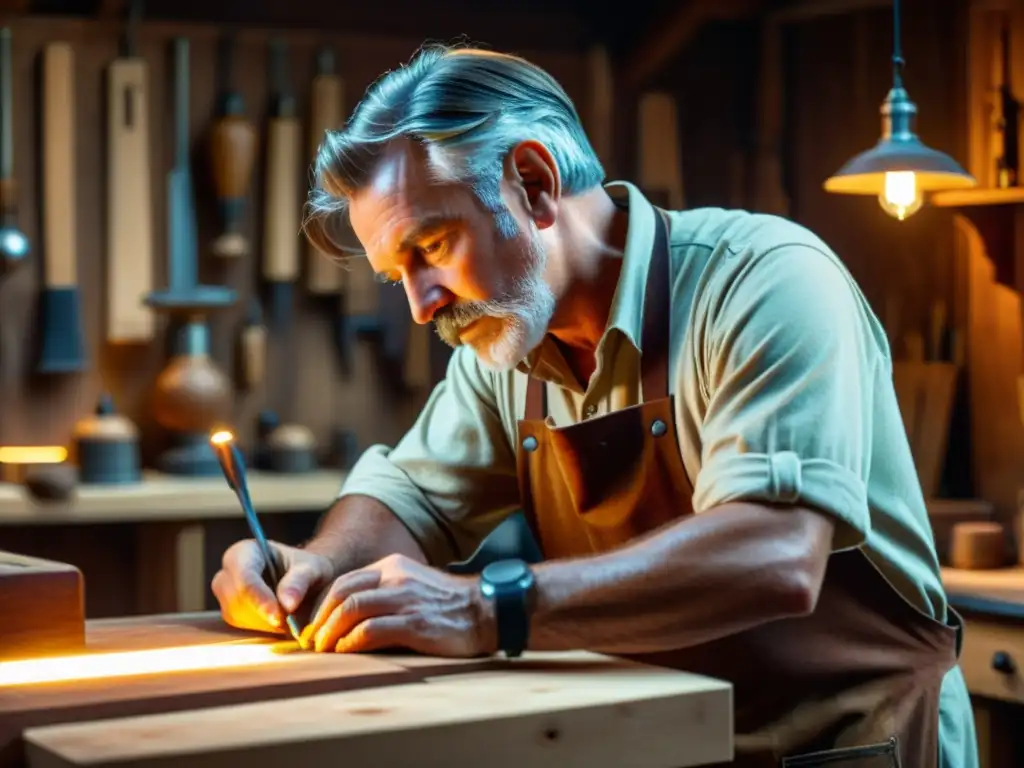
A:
(897, 48)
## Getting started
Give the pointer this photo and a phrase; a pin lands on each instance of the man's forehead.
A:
(400, 196)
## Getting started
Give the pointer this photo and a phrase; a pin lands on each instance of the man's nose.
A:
(425, 297)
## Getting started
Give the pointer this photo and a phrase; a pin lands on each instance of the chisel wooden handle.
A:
(59, 226)
(253, 348)
(325, 275)
(129, 210)
(281, 212)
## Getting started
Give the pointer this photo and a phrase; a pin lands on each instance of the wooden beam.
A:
(111, 9)
(16, 7)
(669, 36)
(806, 10)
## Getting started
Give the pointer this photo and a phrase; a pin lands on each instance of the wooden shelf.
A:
(962, 198)
(162, 497)
(996, 215)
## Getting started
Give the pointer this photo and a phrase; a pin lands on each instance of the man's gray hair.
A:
(468, 107)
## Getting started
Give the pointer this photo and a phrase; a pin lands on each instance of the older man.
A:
(694, 411)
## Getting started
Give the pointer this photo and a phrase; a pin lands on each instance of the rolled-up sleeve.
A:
(452, 477)
(789, 366)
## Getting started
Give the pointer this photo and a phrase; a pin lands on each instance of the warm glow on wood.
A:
(32, 454)
(136, 663)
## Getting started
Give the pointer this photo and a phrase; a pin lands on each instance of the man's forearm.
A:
(359, 530)
(702, 578)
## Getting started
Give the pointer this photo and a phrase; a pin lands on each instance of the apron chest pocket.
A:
(885, 755)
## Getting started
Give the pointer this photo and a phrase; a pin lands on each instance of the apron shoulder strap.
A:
(654, 340)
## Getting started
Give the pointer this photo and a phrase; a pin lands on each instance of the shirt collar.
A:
(626, 312)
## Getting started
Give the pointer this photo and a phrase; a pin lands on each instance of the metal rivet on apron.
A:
(658, 428)
(530, 443)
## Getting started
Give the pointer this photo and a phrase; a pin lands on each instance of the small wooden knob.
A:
(978, 546)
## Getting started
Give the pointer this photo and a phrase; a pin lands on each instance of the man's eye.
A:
(434, 250)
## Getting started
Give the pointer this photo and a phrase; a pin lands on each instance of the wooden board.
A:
(559, 710)
(129, 274)
(925, 392)
(163, 497)
(288, 673)
(42, 604)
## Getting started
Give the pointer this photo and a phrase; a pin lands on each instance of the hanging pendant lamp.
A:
(900, 168)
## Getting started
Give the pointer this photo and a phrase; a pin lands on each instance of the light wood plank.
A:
(582, 711)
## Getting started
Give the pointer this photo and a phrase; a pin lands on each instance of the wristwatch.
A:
(509, 585)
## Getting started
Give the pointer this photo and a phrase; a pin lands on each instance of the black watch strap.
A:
(509, 584)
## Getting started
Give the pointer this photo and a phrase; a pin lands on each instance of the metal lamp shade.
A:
(899, 149)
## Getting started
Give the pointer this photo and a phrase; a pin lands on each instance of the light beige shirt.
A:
(783, 393)
(782, 378)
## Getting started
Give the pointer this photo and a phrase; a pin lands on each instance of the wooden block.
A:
(267, 668)
(595, 712)
(43, 607)
(978, 546)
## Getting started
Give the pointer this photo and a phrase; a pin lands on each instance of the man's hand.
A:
(247, 602)
(400, 603)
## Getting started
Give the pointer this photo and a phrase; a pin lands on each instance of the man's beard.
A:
(525, 311)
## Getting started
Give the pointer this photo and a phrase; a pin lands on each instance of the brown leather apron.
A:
(858, 680)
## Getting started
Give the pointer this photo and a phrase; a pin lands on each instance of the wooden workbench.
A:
(169, 518)
(166, 498)
(992, 657)
(574, 709)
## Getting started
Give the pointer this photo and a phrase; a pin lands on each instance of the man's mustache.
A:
(449, 321)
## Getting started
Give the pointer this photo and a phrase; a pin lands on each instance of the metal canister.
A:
(291, 449)
(107, 445)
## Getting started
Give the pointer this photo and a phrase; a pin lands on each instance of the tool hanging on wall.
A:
(192, 395)
(253, 347)
(233, 145)
(282, 202)
(281, 249)
(324, 275)
(129, 193)
(63, 346)
(14, 247)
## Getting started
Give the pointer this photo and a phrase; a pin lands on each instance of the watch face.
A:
(505, 571)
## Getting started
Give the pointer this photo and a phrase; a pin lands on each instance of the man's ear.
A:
(531, 167)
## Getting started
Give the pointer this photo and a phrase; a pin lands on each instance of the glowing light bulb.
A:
(901, 196)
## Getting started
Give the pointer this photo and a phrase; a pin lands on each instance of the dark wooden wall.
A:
(37, 410)
(837, 73)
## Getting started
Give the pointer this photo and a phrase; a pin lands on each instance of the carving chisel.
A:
(282, 203)
(14, 245)
(129, 194)
(63, 349)
(233, 144)
(324, 275)
(233, 466)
